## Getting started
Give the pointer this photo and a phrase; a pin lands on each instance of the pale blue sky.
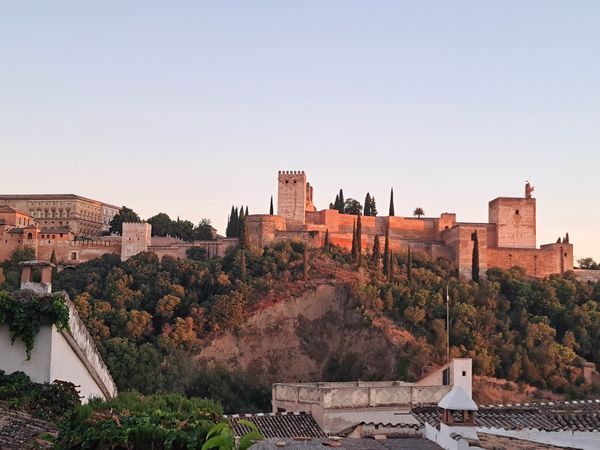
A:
(188, 107)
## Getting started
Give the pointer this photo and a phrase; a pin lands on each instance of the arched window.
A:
(29, 236)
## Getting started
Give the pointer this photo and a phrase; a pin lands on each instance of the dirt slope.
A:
(311, 337)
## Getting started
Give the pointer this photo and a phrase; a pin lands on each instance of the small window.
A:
(517, 212)
(565, 254)
(464, 373)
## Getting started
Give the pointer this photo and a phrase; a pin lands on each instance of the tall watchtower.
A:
(515, 220)
(291, 198)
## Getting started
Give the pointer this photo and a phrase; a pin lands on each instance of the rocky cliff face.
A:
(317, 336)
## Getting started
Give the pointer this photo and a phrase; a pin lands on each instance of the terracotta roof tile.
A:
(278, 425)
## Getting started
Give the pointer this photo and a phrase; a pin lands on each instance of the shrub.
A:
(133, 421)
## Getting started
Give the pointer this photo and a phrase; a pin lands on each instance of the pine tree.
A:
(367, 210)
(354, 253)
(326, 240)
(475, 258)
(341, 202)
(376, 250)
(243, 265)
(409, 267)
(386, 253)
(271, 207)
(392, 212)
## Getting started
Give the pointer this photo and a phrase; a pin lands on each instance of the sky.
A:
(188, 107)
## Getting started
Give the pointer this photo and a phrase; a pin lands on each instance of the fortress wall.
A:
(547, 260)
(9, 243)
(460, 240)
(261, 229)
(588, 275)
(66, 251)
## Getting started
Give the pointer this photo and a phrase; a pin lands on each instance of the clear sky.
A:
(188, 107)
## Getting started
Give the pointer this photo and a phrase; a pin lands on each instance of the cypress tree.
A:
(373, 206)
(305, 263)
(475, 258)
(341, 202)
(326, 241)
(359, 236)
(234, 222)
(367, 211)
(243, 265)
(386, 253)
(376, 249)
(240, 222)
(336, 204)
(271, 207)
(392, 212)
(392, 265)
(354, 253)
(246, 210)
(409, 267)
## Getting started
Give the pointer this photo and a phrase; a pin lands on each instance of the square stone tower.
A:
(515, 222)
(136, 238)
(291, 198)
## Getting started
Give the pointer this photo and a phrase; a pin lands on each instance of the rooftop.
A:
(53, 197)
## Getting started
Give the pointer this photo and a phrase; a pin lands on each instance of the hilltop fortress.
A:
(508, 239)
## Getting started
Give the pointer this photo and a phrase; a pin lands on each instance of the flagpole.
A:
(447, 325)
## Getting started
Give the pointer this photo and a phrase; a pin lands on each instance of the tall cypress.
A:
(243, 265)
(409, 267)
(475, 258)
(354, 254)
(271, 207)
(367, 210)
(373, 206)
(234, 222)
(376, 249)
(359, 235)
(240, 222)
(305, 263)
(326, 240)
(336, 204)
(386, 253)
(392, 265)
(246, 210)
(392, 212)
(341, 202)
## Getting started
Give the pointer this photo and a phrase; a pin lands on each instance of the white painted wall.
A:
(462, 374)
(13, 358)
(66, 365)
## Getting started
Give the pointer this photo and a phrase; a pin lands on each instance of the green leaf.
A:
(216, 429)
(249, 424)
(248, 439)
(214, 442)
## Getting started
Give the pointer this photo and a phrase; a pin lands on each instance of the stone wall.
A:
(547, 260)
(586, 275)
(260, 229)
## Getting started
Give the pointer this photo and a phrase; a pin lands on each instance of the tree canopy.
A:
(125, 215)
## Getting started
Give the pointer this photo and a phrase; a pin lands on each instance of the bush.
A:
(132, 421)
(47, 401)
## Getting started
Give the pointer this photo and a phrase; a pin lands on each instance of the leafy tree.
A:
(353, 207)
(196, 253)
(392, 212)
(125, 215)
(161, 225)
(475, 258)
(418, 212)
(587, 263)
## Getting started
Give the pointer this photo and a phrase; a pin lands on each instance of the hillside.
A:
(227, 328)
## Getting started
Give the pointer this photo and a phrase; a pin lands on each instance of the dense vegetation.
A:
(132, 421)
(47, 401)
